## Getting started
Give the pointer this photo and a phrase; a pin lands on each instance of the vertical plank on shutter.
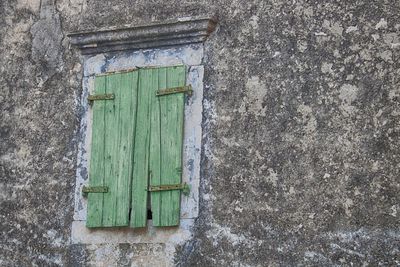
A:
(171, 139)
(155, 148)
(141, 152)
(112, 139)
(127, 117)
(96, 173)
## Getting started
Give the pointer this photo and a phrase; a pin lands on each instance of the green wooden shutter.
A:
(111, 150)
(166, 145)
(136, 138)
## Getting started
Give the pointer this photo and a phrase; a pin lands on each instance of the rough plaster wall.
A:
(301, 134)
(39, 81)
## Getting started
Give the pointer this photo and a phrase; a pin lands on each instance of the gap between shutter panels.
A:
(160, 131)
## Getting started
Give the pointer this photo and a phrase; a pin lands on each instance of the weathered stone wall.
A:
(301, 128)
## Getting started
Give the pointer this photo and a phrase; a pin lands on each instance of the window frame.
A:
(191, 57)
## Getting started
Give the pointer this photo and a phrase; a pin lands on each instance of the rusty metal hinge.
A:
(94, 189)
(92, 98)
(175, 90)
(184, 187)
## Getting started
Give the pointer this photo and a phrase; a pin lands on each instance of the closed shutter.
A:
(137, 147)
(114, 122)
(166, 146)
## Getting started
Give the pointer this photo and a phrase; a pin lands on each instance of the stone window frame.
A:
(169, 43)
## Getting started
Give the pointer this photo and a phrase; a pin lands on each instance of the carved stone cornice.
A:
(170, 33)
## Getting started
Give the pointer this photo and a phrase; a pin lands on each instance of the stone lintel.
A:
(161, 34)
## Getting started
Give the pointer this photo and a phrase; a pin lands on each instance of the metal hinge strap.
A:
(101, 97)
(184, 187)
(94, 189)
(183, 89)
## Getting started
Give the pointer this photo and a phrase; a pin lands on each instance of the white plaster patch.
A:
(302, 45)
(230, 142)
(71, 7)
(326, 67)
(256, 91)
(291, 190)
(276, 54)
(3, 191)
(394, 45)
(309, 118)
(104, 255)
(33, 5)
(307, 11)
(394, 92)
(391, 39)
(254, 22)
(365, 54)
(52, 235)
(382, 24)
(348, 93)
(272, 177)
(192, 143)
(334, 27)
(313, 256)
(190, 55)
(375, 37)
(393, 210)
(218, 232)
(92, 65)
(351, 29)
(386, 55)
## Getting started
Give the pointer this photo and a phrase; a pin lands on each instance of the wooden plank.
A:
(96, 172)
(155, 149)
(171, 125)
(113, 124)
(141, 152)
(127, 118)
